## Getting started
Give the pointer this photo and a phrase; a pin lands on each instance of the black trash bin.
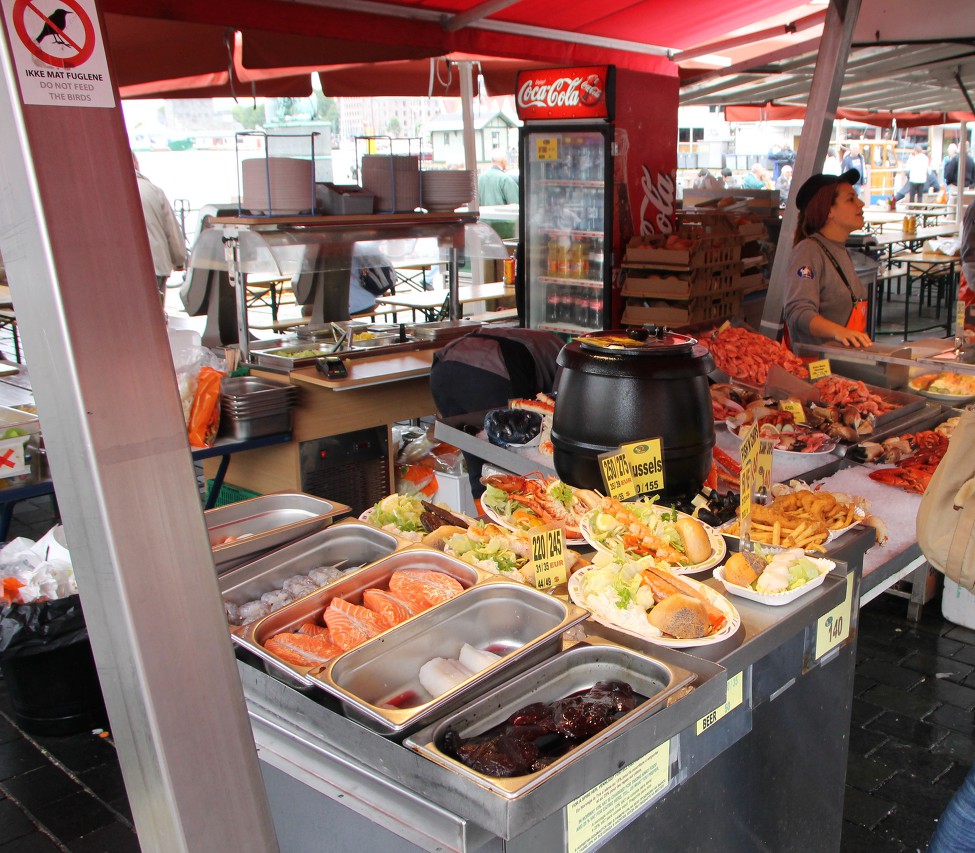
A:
(48, 668)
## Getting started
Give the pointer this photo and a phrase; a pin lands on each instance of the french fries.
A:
(801, 519)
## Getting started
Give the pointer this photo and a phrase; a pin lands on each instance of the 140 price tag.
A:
(548, 557)
(616, 475)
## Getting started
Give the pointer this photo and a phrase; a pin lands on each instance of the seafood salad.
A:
(624, 593)
(399, 514)
(523, 503)
(642, 528)
(492, 548)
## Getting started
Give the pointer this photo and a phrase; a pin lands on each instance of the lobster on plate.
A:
(912, 472)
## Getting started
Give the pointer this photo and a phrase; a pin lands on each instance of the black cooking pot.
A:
(619, 386)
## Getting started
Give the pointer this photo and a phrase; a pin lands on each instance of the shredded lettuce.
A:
(402, 511)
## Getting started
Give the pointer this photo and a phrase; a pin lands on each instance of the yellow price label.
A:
(599, 811)
(794, 408)
(734, 696)
(819, 369)
(756, 469)
(547, 148)
(722, 327)
(616, 475)
(960, 308)
(646, 459)
(833, 628)
(548, 557)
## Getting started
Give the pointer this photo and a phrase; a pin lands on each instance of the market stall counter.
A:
(772, 699)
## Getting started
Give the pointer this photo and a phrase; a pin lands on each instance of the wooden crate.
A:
(680, 285)
(705, 251)
(683, 312)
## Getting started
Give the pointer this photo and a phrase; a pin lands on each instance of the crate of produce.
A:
(685, 250)
(681, 313)
(231, 494)
(751, 283)
(699, 282)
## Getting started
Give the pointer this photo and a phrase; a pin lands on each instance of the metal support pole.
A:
(824, 94)
(453, 278)
(962, 174)
(231, 248)
(77, 256)
(467, 111)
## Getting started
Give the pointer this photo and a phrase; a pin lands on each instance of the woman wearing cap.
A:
(825, 299)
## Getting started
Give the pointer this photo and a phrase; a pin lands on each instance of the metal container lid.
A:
(647, 340)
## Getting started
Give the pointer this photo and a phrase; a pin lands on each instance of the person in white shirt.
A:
(831, 165)
(165, 238)
(917, 173)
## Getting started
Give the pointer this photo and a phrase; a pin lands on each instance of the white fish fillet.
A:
(439, 675)
(474, 660)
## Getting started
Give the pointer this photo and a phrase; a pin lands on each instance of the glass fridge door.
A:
(566, 213)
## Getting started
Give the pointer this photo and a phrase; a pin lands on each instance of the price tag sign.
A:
(819, 369)
(756, 470)
(960, 318)
(547, 148)
(646, 460)
(548, 557)
(733, 698)
(722, 327)
(833, 628)
(794, 408)
(616, 475)
(610, 804)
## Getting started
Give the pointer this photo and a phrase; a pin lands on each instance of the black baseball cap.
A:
(814, 184)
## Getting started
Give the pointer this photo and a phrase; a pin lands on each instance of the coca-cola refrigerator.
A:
(566, 194)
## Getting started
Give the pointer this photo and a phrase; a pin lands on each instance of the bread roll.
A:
(738, 570)
(680, 616)
(437, 538)
(697, 545)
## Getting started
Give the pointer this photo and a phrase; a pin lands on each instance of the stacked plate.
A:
(251, 407)
(445, 190)
(393, 180)
(277, 185)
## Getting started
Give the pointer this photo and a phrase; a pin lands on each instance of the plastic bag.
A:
(189, 359)
(28, 629)
(204, 418)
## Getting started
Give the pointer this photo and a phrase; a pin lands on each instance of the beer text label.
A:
(646, 460)
(819, 369)
(616, 475)
(548, 557)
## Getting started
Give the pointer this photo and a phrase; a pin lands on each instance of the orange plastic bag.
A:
(205, 412)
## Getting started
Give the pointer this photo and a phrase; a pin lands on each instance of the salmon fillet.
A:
(302, 650)
(389, 608)
(349, 624)
(313, 629)
(422, 588)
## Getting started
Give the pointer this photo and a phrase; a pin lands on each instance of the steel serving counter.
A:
(753, 756)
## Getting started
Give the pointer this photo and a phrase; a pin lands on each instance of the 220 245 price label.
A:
(548, 557)
(617, 477)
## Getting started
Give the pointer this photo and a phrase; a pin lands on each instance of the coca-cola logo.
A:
(661, 197)
(592, 91)
(562, 92)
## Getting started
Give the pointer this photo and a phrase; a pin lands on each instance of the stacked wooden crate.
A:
(693, 278)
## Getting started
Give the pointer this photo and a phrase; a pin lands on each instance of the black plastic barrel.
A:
(615, 390)
(56, 691)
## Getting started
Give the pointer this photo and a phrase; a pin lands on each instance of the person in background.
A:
(951, 173)
(950, 152)
(728, 179)
(825, 299)
(165, 239)
(917, 173)
(706, 181)
(756, 178)
(831, 165)
(784, 184)
(780, 157)
(496, 186)
(854, 160)
(966, 281)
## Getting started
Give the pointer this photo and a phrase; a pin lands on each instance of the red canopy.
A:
(781, 112)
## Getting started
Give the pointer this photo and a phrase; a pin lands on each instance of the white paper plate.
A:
(731, 625)
(503, 522)
(776, 599)
(718, 546)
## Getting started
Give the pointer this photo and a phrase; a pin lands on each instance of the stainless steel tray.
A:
(265, 522)
(349, 544)
(250, 388)
(577, 668)
(273, 358)
(522, 624)
(311, 607)
(444, 329)
(255, 427)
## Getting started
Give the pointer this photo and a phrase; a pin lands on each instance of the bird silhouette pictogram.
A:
(57, 18)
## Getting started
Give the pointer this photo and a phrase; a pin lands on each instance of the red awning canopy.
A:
(782, 112)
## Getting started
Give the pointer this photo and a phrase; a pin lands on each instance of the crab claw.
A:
(879, 527)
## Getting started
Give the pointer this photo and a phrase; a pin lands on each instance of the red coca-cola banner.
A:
(566, 93)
